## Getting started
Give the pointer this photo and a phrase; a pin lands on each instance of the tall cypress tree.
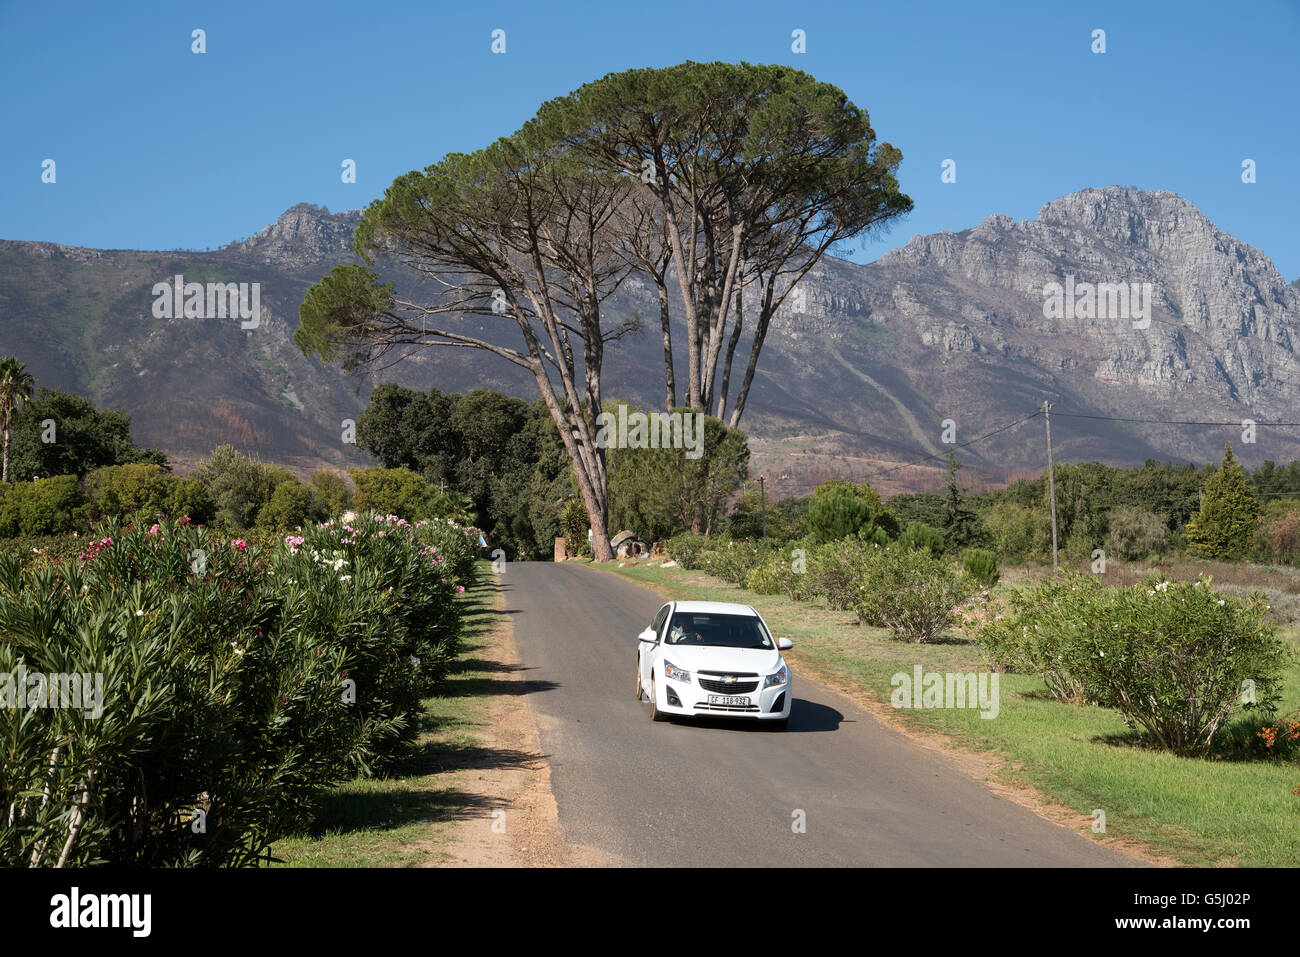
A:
(1228, 521)
(960, 524)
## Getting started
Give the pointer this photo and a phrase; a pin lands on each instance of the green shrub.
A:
(239, 680)
(238, 486)
(42, 550)
(732, 561)
(923, 536)
(117, 491)
(912, 593)
(982, 566)
(292, 505)
(332, 493)
(835, 570)
(187, 497)
(41, 506)
(1175, 657)
(1040, 631)
(687, 549)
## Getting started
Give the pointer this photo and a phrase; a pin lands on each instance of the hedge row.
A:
(226, 683)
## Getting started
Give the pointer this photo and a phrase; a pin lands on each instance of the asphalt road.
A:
(728, 793)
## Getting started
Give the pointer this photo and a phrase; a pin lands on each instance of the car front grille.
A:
(718, 686)
(705, 706)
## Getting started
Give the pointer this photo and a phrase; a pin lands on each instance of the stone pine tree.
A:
(518, 234)
(733, 175)
(745, 175)
(1228, 521)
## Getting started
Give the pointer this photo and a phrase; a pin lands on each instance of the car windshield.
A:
(710, 628)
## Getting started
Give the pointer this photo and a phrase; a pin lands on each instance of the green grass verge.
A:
(1199, 812)
(402, 819)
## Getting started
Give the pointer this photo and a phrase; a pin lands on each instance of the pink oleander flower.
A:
(240, 544)
(155, 529)
(460, 589)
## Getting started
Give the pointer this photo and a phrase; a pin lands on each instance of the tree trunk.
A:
(760, 333)
(592, 481)
(670, 382)
(731, 353)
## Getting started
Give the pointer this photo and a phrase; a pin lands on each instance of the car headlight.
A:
(780, 677)
(675, 673)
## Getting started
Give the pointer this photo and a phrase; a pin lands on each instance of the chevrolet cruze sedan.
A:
(711, 658)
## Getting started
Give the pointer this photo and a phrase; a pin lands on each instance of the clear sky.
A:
(157, 147)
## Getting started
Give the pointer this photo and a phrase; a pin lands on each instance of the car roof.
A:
(716, 608)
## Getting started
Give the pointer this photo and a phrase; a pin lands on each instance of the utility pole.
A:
(1051, 481)
(762, 505)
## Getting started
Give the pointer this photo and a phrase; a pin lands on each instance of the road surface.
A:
(730, 794)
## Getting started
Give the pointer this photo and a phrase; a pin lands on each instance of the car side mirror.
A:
(785, 644)
(647, 636)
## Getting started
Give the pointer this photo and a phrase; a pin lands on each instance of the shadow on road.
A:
(805, 716)
(485, 682)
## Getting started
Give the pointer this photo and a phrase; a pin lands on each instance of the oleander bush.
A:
(784, 572)
(1040, 631)
(732, 561)
(912, 593)
(1178, 658)
(236, 681)
(836, 570)
(687, 550)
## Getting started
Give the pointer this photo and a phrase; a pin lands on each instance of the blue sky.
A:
(157, 147)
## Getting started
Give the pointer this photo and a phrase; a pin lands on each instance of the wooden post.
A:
(1051, 481)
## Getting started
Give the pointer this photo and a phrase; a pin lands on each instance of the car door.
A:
(647, 651)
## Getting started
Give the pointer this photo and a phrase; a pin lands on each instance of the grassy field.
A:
(402, 820)
(1230, 811)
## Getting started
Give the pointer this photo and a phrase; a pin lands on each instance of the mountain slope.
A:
(950, 326)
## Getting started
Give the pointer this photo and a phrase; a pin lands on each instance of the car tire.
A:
(655, 713)
(640, 692)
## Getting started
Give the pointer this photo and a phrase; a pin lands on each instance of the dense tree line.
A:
(506, 456)
(1213, 511)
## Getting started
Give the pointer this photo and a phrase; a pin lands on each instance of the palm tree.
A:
(15, 388)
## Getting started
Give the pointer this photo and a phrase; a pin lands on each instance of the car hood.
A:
(759, 661)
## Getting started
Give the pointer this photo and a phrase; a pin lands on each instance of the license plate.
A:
(733, 700)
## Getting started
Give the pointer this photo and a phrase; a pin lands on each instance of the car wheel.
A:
(655, 713)
(640, 692)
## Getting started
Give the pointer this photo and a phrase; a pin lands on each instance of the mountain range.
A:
(867, 371)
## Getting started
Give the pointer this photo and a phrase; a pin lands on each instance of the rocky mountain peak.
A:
(304, 234)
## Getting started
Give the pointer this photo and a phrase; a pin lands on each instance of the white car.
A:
(712, 658)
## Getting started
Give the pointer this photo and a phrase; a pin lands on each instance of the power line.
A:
(1235, 425)
(1072, 415)
(960, 445)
